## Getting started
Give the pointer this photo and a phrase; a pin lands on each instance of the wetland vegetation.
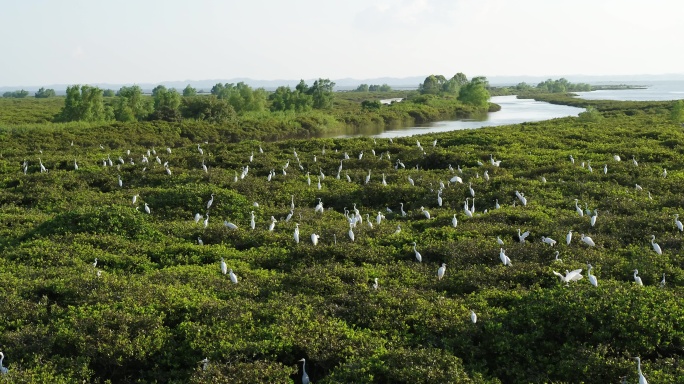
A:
(110, 253)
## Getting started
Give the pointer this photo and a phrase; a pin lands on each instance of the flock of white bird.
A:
(354, 217)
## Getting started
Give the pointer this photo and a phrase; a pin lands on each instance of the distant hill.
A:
(349, 83)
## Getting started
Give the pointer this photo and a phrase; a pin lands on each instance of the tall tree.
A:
(134, 102)
(43, 93)
(189, 91)
(166, 103)
(83, 103)
(322, 93)
(475, 92)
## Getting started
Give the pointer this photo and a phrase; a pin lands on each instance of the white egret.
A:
(439, 197)
(593, 217)
(75, 166)
(319, 186)
(634, 161)
(557, 258)
(314, 239)
(637, 279)
(347, 176)
(296, 233)
(678, 223)
(95, 263)
(521, 197)
(384, 182)
(252, 222)
(642, 379)
(204, 167)
(454, 221)
(470, 188)
(319, 206)
(426, 213)
(616, 158)
(206, 221)
(229, 225)
(440, 271)
(205, 363)
(398, 230)
(305, 377)
(147, 209)
(655, 246)
(589, 167)
(289, 215)
(522, 236)
(224, 267)
(548, 241)
(271, 226)
(3, 370)
(401, 210)
(592, 278)
(368, 221)
(135, 198)
(570, 276)
(199, 241)
(418, 256)
(120, 182)
(375, 284)
(664, 172)
(588, 240)
(233, 277)
(638, 187)
(456, 179)
(201, 152)
(473, 317)
(351, 232)
(292, 202)
(496, 204)
(572, 159)
(499, 241)
(578, 209)
(410, 180)
(568, 237)
(504, 259)
(662, 282)
(605, 169)
(467, 210)
(211, 201)
(486, 176)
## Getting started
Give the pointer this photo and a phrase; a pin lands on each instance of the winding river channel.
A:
(513, 111)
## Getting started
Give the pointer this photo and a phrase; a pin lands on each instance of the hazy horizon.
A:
(128, 42)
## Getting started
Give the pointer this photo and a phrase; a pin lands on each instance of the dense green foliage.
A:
(189, 91)
(438, 84)
(16, 94)
(159, 304)
(84, 103)
(43, 93)
(373, 88)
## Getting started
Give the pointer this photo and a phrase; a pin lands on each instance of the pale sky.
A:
(148, 41)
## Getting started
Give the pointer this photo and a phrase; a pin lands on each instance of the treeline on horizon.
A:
(238, 110)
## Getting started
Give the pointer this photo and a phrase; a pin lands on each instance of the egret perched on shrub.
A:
(578, 209)
(504, 259)
(314, 239)
(548, 241)
(271, 226)
(637, 279)
(135, 198)
(592, 278)
(570, 276)
(557, 258)
(305, 377)
(351, 232)
(425, 212)
(3, 370)
(662, 282)
(418, 256)
(95, 263)
(296, 233)
(233, 277)
(678, 223)
(211, 201)
(147, 209)
(522, 236)
(454, 221)
(568, 237)
(655, 246)
(473, 317)
(199, 241)
(376, 285)
(588, 240)
(224, 267)
(229, 225)
(252, 222)
(440, 271)
(642, 379)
